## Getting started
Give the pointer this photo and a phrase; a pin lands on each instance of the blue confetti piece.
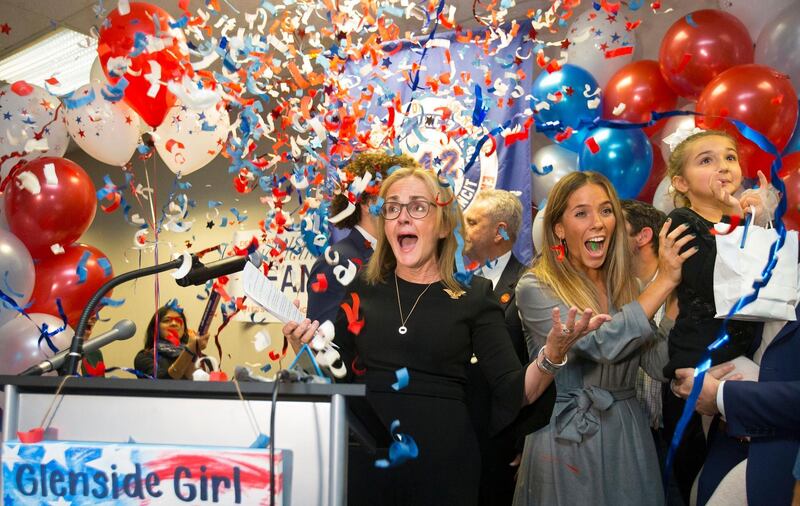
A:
(80, 270)
(375, 209)
(547, 169)
(690, 21)
(502, 231)
(403, 449)
(214, 203)
(74, 103)
(402, 379)
(8, 288)
(183, 21)
(262, 441)
(108, 301)
(105, 265)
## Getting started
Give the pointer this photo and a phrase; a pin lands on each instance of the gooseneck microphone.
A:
(200, 273)
(124, 329)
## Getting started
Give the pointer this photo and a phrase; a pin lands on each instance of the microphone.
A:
(200, 273)
(124, 329)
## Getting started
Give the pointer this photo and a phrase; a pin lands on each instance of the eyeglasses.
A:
(417, 209)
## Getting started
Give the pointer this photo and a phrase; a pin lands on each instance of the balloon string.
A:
(156, 287)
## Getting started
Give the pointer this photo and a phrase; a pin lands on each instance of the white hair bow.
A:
(680, 135)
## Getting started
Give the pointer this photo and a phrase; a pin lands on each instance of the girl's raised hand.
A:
(764, 200)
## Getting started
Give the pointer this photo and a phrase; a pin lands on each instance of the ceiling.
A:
(30, 19)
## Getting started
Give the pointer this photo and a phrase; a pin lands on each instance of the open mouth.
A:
(407, 242)
(595, 246)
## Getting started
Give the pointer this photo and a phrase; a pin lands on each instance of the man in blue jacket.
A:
(766, 412)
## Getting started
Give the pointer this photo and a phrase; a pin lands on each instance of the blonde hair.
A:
(569, 284)
(448, 218)
(677, 161)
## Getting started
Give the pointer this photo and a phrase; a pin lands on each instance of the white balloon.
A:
(106, 131)
(16, 267)
(590, 36)
(20, 337)
(754, 14)
(183, 142)
(22, 118)
(778, 46)
(674, 123)
(538, 229)
(562, 161)
(662, 199)
(96, 74)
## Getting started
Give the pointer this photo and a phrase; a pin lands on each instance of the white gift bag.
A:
(736, 268)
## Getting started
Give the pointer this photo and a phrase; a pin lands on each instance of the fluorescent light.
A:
(64, 54)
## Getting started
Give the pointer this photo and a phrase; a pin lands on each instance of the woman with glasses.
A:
(177, 346)
(408, 315)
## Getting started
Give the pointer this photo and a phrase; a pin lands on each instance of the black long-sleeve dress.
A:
(443, 333)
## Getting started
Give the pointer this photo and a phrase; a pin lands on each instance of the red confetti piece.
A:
(592, 145)
(560, 254)
(521, 135)
(735, 221)
(655, 5)
(620, 51)
(32, 436)
(172, 144)
(217, 376)
(52, 81)
(553, 66)
(321, 284)
(115, 199)
(22, 88)
(632, 26)
(356, 370)
(562, 136)
(610, 7)
(777, 100)
(98, 370)
(354, 325)
(277, 356)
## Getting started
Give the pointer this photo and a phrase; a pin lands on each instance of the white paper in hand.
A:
(259, 289)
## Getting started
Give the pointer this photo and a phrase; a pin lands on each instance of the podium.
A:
(311, 421)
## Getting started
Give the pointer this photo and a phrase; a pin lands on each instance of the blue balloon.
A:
(625, 157)
(572, 109)
(794, 142)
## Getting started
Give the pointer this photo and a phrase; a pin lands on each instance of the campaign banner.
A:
(78, 473)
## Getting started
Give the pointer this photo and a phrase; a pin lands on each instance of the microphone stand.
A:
(76, 347)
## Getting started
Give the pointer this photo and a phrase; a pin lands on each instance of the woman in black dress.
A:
(416, 315)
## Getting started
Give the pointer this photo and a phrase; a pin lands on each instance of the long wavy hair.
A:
(448, 218)
(151, 327)
(568, 283)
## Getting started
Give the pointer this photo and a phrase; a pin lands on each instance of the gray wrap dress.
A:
(598, 448)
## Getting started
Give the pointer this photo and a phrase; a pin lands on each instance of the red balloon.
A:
(700, 46)
(759, 96)
(641, 87)
(117, 40)
(46, 207)
(792, 181)
(66, 277)
(657, 173)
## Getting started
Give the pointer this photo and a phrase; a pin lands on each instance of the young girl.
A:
(705, 174)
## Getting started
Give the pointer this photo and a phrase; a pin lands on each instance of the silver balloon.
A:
(19, 342)
(662, 198)
(562, 161)
(754, 15)
(778, 46)
(17, 271)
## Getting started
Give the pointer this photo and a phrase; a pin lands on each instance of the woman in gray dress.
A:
(597, 448)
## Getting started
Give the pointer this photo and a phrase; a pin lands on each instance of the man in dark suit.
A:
(492, 224)
(767, 412)
(347, 256)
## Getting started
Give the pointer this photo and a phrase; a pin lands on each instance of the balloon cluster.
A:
(708, 63)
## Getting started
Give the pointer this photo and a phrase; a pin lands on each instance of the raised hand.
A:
(562, 336)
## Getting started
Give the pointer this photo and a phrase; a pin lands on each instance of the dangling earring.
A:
(561, 250)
